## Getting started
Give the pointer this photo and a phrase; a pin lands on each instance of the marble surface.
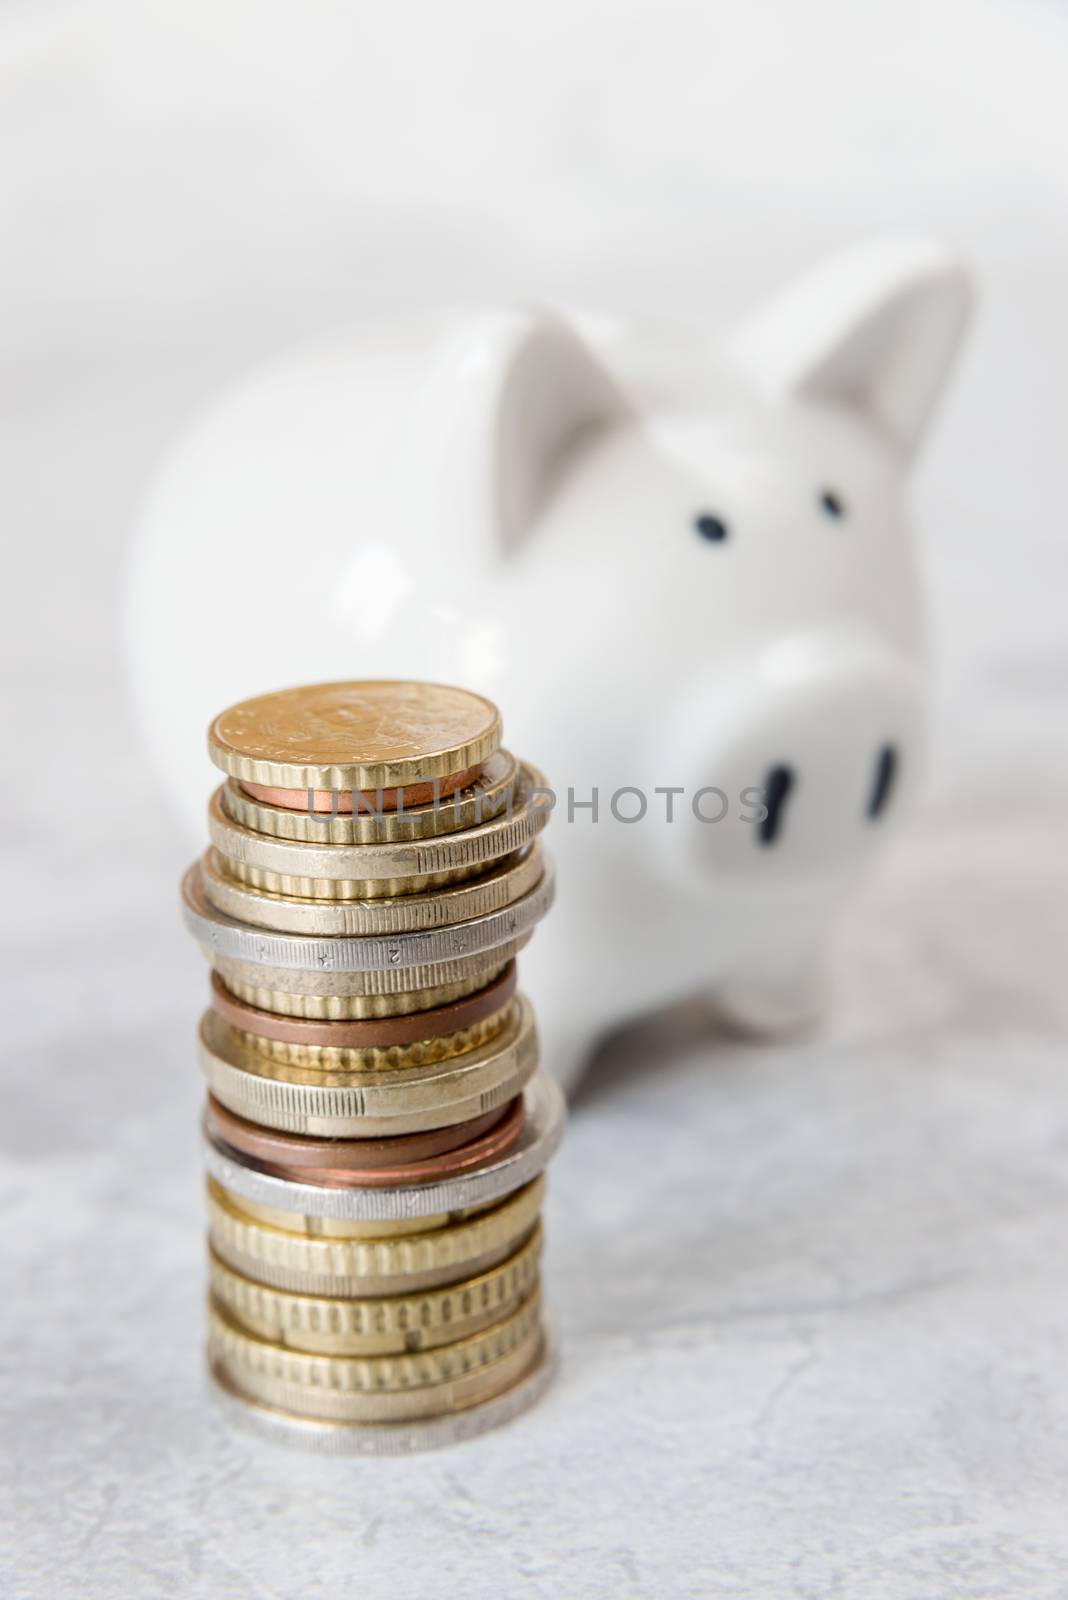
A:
(812, 1300)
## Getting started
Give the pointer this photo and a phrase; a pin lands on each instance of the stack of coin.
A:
(376, 1127)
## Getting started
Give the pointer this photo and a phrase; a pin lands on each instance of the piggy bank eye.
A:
(710, 527)
(831, 503)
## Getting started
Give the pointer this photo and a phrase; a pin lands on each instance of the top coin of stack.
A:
(374, 869)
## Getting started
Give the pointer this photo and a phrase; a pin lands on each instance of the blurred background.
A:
(187, 188)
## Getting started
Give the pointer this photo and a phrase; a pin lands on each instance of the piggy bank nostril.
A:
(710, 527)
(777, 786)
(883, 778)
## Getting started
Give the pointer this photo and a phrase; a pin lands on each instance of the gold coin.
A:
(355, 1266)
(489, 796)
(384, 1325)
(381, 1374)
(349, 1008)
(341, 1059)
(285, 883)
(377, 1104)
(507, 881)
(252, 1377)
(365, 871)
(341, 996)
(363, 735)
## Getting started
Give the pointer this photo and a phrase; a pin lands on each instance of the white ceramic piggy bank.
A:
(674, 569)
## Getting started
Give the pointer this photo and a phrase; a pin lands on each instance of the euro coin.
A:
(362, 735)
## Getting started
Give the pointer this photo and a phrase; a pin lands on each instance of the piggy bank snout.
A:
(814, 745)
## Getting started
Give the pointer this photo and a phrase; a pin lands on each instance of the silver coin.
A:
(282, 989)
(225, 935)
(393, 915)
(389, 1439)
(543, 1128)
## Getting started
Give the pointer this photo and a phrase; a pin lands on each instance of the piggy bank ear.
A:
(876, 329)
(512, 397)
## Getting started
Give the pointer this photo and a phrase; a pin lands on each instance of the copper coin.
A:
(297, 1150)
(368, 1163)
(369, 1033)
(340, 800)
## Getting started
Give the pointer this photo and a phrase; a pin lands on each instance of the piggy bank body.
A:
(684, 573)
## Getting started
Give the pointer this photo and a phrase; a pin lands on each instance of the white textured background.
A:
(816, 1345)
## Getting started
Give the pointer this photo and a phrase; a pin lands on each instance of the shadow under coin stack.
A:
(376, 1128)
